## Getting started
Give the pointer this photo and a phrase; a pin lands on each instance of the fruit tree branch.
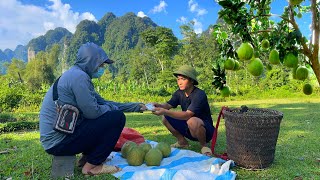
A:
(268, 15)
(315, 27)
(306, 50)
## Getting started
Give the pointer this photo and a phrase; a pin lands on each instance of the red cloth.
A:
(128, 134)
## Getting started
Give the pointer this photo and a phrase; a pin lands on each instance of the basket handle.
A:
(215, 135)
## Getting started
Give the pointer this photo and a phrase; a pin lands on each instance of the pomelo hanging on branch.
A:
(236, 65)
(225, 91)
(245, 51)
(299, 15)
(295, 2)
(274, 57)
(229, 64)
(255, 67)
(290, 60)
(302, 73)
(265, 44)
(307, 89)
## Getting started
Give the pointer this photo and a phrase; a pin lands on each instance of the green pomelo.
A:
(307, 89)
(164, 148)
(229, 64)
(302, 73)
(245, 51)
(255, 67)
(274, 57)
(135, 156)
(153, 157)
(126, 147)
(265, 44)
(225, 91)
(295, 2)
(265, 34)
(290, 60)
(145, 146)
(236, 65)
(299, 15)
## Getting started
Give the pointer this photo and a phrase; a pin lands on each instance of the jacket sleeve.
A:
(102, 101)
(86, 99)
(124, 107)
(127, 107)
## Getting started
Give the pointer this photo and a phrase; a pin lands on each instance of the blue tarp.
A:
(181, 164)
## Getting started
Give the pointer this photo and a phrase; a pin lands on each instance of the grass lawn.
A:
(297, 153)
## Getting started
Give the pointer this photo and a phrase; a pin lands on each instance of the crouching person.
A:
(92, 125)
(194, 122)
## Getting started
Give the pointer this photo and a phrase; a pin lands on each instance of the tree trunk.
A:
(161, 64)
(311, 53)
(145, 75)
(315, 26)
(316, 68)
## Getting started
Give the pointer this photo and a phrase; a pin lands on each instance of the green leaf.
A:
(240, 5)
(224, 35)
(225, 4)
(222, 13)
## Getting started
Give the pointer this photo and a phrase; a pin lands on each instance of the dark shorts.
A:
(182, 127)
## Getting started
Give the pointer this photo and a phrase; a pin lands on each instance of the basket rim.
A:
(275, 113)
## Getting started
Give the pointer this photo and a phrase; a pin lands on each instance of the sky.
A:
(22, 20)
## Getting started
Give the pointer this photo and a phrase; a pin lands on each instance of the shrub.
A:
(17, 126)
(10, 97)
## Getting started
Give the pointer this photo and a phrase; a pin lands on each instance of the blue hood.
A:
(90, 56)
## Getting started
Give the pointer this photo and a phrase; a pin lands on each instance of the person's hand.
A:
(143, 107)
(157, 105)
(159, 111)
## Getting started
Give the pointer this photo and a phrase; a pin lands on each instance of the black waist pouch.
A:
(67, 119)
(67, 115)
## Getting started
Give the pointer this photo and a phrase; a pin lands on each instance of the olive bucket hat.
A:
(187, 71)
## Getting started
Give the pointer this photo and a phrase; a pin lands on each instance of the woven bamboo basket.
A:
(252, 135)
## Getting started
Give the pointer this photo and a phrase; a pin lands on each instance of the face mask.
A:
(99, 72)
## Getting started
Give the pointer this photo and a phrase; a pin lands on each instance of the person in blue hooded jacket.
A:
(100, 121)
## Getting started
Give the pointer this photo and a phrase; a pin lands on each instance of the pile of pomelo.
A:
(136, 155)
(255, 66)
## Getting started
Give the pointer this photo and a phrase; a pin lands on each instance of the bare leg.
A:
(175, 133)
(197, 130)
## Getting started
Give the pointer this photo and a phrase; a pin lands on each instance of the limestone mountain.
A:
(123, 34)
(9, 53)
(19, 53)
(3, 56)
(115, 34)
(87, 31)
(44, 42)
